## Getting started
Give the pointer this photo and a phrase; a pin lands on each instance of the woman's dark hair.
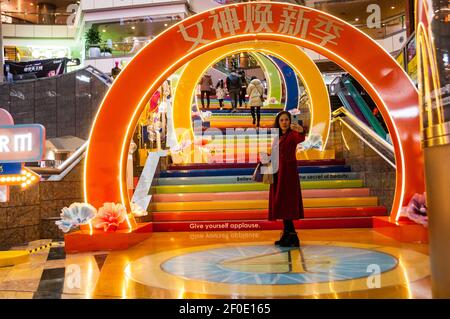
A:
(277, 120)
(219, 84)
(253, 78)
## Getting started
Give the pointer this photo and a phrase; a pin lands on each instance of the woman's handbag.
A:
(259, 177)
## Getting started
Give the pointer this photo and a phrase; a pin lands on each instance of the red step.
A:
(318, 223)
(247, 165)
(255, 214)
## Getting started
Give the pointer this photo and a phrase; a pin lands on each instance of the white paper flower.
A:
(314, 141)
(181, 146)
(294, 111)
(137, 210)
(74, 215)
(206, 114)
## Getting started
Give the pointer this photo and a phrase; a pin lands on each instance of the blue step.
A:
(248, 178)
(249, 171)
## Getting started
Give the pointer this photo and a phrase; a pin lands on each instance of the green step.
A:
(216, 188)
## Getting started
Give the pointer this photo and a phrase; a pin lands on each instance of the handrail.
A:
(358, 127)
(99, 74)
(64, 166)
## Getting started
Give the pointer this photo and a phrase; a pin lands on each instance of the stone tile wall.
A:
(65, 104)
(377, 174)
(30, 214)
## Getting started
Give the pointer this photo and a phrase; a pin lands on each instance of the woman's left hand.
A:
(296, 127)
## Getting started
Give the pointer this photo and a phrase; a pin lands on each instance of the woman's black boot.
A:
(291, 240)
(282, 239)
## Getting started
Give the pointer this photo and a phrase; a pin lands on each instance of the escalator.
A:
(356, 100)
(80, 88)
(365, 134)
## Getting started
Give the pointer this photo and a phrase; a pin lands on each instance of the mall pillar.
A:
(435, 114)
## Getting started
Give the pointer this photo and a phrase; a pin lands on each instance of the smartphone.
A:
(296, 119)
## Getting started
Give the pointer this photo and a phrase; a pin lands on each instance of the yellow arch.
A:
(291, 54)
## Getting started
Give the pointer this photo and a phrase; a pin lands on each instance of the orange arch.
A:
(381, 76)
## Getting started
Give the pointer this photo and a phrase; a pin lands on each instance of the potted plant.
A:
(93, 39)
(106, 51)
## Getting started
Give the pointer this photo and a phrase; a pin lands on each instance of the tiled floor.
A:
(341, 263)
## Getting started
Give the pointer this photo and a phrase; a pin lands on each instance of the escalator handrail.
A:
(342, 112)
(61, 168)
(363, 107)
(99, 74)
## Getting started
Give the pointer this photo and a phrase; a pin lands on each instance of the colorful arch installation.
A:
(299, 60)
(380, 75)
(290, 81)
(273, 77)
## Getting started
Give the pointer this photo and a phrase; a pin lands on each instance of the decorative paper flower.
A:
(181, 146)
(294, 111)
(137, 210)
(206, 114)
(273, 100)
(75, 215)
(314, 141)
(110, 216)
(417, 209)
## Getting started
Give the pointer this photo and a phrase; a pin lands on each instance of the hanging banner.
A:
(35, 69)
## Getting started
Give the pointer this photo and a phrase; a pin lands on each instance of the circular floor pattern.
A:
(261, 269)
(270, 265)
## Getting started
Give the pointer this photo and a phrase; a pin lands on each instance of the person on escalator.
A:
(285, 196)
(220, 92)
(205, 89)
(255, 91)
(234, 84)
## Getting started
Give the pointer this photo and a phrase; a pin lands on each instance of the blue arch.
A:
(290, 81)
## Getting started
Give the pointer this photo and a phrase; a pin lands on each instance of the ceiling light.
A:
(133, 27)
(165, 24)
(103, 30)
(392, 7)
(356, 19)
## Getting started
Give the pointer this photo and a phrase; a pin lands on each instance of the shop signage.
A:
(21, 143)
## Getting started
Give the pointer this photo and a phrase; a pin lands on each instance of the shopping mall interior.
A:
(214, 149)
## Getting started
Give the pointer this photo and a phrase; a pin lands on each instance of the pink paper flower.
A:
(109, 216)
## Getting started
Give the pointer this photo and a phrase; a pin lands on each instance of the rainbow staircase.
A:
(222, 195)
(202, 197)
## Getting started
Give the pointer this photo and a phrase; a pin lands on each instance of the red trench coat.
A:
(285, 197)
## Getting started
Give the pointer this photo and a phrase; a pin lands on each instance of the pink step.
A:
(307, 193)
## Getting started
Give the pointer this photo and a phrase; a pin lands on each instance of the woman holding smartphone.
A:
(285, 198)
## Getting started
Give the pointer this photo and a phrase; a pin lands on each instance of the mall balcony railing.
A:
(114, 49)
(389, 27)
(36, 18)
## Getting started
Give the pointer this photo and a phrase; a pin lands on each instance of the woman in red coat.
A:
(285, 198)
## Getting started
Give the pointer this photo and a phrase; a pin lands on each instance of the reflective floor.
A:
(341, 263)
